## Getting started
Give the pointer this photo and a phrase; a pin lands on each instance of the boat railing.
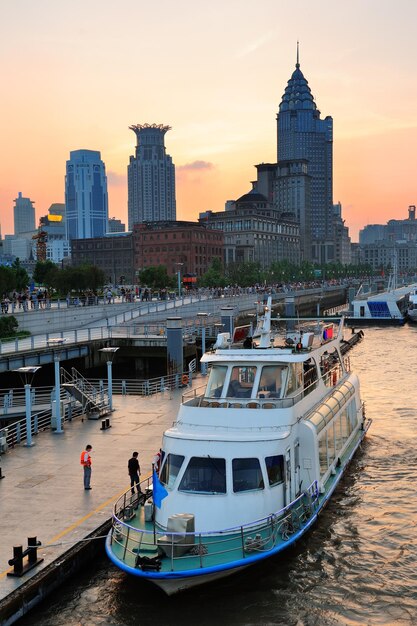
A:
(242, 541)
(331, 377)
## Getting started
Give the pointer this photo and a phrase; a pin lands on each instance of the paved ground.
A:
(42, 493)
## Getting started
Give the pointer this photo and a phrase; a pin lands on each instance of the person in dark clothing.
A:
(133, 468)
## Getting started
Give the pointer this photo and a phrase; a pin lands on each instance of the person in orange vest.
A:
(86, 463)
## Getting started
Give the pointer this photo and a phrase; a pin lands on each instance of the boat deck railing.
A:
(211, 548)
(332, 377)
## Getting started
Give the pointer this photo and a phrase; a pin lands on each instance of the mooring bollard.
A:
(105, 424)
(18, 555)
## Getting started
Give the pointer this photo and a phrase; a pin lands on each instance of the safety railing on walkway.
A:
(17, 432)
(15, 398)
(134, 387)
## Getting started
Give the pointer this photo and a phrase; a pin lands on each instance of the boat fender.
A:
(299, 346)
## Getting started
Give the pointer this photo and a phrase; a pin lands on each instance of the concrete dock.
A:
(42, 493)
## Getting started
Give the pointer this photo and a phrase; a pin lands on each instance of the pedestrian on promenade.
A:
(133, 469)
(86, 463)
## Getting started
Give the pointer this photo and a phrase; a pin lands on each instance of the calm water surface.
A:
(358, 566)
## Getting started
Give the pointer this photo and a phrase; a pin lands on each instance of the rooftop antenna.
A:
(297, 65)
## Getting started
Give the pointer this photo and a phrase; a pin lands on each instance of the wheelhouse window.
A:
(216, 381)
(241, 382)
(170, 469)
(271, 382)
(331, 367)
(247, 475)
(310, 375)
(204, 475)
(275, 469)
(295, 378)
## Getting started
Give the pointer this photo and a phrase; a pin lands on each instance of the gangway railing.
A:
(93, 399)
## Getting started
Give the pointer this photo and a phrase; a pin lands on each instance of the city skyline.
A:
(216, 74)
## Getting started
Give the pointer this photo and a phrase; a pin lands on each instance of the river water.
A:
(358, 565)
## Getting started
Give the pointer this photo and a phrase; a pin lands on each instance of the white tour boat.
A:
(252, 458)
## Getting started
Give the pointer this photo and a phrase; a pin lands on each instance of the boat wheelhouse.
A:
(253, 456)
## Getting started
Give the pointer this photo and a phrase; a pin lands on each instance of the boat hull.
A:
(363, 322)
(177, 581)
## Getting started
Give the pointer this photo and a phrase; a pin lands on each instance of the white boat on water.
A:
(386, 308)
(412, 307)
(251, 460)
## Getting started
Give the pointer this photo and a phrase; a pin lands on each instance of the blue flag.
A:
(159, 491)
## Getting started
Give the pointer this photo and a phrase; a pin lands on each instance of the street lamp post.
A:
(203, 317)
(59, 341)
(27, 374)
(110, 352)
(179, 277)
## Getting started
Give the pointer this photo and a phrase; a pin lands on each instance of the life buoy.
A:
(184, 379)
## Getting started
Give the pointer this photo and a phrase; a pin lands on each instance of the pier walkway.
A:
(42, 492)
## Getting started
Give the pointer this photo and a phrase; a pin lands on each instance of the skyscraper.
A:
(150, 177)
(24, 215)
(302, 134)
(86, 199)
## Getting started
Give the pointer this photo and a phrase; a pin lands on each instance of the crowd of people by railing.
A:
(27, 300)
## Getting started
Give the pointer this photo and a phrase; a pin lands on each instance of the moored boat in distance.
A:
(253, 457)
(387, 308)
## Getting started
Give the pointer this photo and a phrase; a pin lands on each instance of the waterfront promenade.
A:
(42, 493)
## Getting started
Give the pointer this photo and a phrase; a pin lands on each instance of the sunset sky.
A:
(77, 74)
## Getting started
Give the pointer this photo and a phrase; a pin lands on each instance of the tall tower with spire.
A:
(150, 177)
(302, 134)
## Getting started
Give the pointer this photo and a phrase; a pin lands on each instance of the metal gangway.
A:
(94, 400)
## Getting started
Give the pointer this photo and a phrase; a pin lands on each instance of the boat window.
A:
(346, 425)
(353, 416)
(241, 382)
(330, 444)
(323, 453)
(295, 377)
(338, 434)
(247, 475)
(204, 475)
(330, 367)
(270, 383)
(216, 381)
(170, 469)
(275, 469)
(310, 375)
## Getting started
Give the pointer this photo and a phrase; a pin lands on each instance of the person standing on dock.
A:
(133, 469)
(86, 463)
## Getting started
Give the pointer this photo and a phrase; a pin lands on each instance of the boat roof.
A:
(256, 355)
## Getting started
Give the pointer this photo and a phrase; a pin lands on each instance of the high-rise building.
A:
(302, 134)
(24, 215)
(150, 177)
(86, 202)
(115, 226)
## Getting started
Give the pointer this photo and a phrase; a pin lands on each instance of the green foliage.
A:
(156, 277)
(41, 271)
(7, 279)
(214, 277)
(8, 326)
(21, 277)
(244, 274)
(78, 278)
